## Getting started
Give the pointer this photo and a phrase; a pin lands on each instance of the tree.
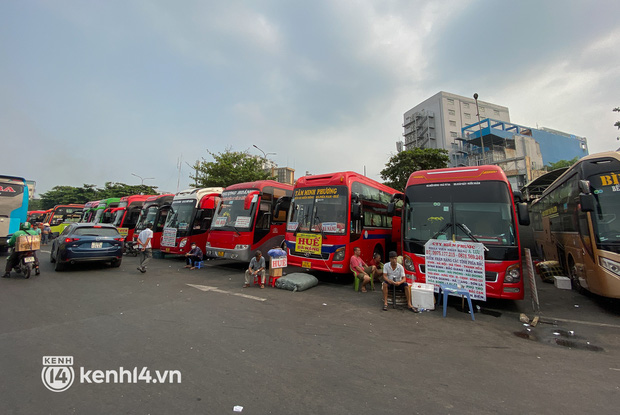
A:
(401, 165)
(62, 195)
(617, 124)
(229, 167)
(561, 164)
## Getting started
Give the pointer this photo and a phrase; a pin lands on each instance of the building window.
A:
(452, 123)
(495, 112)
(450, 101)
(467, 116)
(451, 112)
(465, 104)
(453, 134)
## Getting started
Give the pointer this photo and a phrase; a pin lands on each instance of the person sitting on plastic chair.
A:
(394, 276)
(256, 268)
(194, 255)
(363, 271)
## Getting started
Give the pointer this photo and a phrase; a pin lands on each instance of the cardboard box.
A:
(423, 295)
(275, 272)
(562, 283)
(28, 243)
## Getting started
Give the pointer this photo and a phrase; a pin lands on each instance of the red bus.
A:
(125, 216)
(250, 216)
(331, 214)
(466, 204)
(89, 211)
(155, 211)
(189, 219)
(60, 216)
(36, 216)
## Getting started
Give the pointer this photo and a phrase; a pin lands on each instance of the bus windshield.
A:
(181, 216)
(606, 218)
(118, 215)
(230, 214)
(469, 211)
(319, 209)
(149, 217)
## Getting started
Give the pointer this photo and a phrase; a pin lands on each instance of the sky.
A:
(127, 91)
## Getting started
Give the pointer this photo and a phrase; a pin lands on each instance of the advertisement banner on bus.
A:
(458, 264)
(169, 237)
(309, 242)
(123, 231)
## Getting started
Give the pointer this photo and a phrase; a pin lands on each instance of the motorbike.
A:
(130, 248)
(25, 263)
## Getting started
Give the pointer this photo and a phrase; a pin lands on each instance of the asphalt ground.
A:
(327, 350)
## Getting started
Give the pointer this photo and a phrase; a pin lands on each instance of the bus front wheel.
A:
(574, 278)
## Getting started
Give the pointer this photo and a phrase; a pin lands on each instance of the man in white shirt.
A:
(394, 275)
(144, 245)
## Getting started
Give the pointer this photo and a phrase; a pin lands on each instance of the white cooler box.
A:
(423, 295)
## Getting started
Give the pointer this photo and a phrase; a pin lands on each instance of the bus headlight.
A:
(208, 245)
(339, 254)
(513, 274)
(610, 265)
(183, 243)
(242, 247)
(408, 263)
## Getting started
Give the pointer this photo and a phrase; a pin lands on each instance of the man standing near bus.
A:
(363, 270)
(144, 244)
(394, 276)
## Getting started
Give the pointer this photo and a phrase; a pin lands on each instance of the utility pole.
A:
(479, 126)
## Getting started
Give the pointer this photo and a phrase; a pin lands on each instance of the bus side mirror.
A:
(587, 202)
(391, 209)
(522, 214)
(584, 186)
(518, 196)
(247, 202)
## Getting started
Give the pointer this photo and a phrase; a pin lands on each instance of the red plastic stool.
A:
(272, 280)
(257, 279)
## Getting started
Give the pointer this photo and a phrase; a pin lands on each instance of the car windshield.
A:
(319, 209)
(231, 214)
(92, 231)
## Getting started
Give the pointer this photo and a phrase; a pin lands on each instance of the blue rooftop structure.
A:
(554, 145)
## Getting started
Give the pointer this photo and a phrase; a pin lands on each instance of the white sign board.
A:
(169, 237)
(278, 262)
(457, 264)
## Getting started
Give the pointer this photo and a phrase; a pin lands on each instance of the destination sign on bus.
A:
(317, 192)
(309, 242)
(230, 195)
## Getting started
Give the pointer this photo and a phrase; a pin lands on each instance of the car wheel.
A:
(116, 263)
(52, 257)
(59, 266)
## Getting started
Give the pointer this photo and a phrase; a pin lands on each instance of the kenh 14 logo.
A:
(57, 374)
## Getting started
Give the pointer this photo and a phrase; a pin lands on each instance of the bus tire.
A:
(572, 274)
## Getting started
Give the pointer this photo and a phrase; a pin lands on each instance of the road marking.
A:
(47, 252)
(217, 290)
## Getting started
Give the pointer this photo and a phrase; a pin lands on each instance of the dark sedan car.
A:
(86, 242)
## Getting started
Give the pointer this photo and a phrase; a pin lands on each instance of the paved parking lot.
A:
(327, 350)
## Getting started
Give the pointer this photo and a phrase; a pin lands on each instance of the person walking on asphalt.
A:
(144, 245)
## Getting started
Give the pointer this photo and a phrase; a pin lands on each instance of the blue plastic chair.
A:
(451, 289)
(198, 264)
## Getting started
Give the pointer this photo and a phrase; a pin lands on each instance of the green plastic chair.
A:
(356, 280)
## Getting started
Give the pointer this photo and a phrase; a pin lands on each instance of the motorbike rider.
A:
(13, 259)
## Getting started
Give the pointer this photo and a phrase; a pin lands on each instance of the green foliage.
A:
(229, 167)
(617, 124)
(561, 163)
(60, 195)
(401, 165)
(34, 204)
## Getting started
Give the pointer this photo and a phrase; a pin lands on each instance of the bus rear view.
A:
(465, 204)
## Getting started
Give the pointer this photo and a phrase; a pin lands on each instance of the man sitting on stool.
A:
(394, 276)
(194, 255)
(257, 267)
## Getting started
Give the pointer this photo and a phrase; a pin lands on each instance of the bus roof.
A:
(135, 198)
(259, 185)
(199, 193)
(341, 178)
(457, 174)
(16, 178)
(161, 198)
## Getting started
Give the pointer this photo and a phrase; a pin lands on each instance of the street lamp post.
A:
(479, 125)
(264, 154)
(142, 178)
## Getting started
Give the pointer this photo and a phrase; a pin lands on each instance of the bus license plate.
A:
(306, 264)
(95, 245)
(29, 259)
(220, 253)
